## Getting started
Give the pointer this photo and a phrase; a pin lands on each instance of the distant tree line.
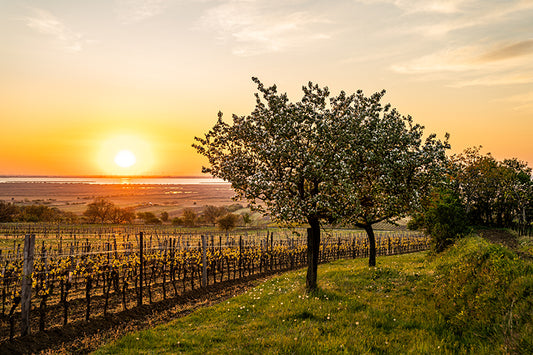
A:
(102, 210)
(223, 217)
(10, 212)
(478, 190)
(494, 193)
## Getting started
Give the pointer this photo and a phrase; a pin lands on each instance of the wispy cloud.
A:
(47, 24)
(458, 50)
(449, 60)
(472, 57)
(476, 65)
(457, 15)
(131, 11)
(497, 79)
(416, 6)
(521, 101)
(256, 27)
(513, 50)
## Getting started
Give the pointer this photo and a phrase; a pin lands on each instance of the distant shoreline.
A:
(109, 176)
(111, 180)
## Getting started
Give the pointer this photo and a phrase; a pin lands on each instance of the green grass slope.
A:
(394, 308)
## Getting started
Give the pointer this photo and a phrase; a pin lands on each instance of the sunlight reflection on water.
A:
(112, 180)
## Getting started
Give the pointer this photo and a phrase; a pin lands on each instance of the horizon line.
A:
(109, 176)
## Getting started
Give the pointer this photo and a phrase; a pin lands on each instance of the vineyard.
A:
(63, 275)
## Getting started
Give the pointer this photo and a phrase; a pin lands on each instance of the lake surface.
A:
(112, 180)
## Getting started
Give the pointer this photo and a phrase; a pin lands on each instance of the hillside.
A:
(402, 306)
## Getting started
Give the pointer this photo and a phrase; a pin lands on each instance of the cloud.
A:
(47, 24)
(254, 28)
(498, 79)
(449, 60)
(464, 66)
(455, 47)
(462, 14)
(131, 11)
(416, 6)
(514, 50)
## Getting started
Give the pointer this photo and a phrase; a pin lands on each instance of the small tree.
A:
(494, 192)
(189, 217)
(128, 215)
(8, 211)
(99, 210)
(227, 222)
(149, 218)
(278, 158)
(39, 213)
(383, 164)
(121, 215)
(164, 216)
(212, 213)
(115, 215)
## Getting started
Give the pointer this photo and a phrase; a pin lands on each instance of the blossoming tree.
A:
(346, 159)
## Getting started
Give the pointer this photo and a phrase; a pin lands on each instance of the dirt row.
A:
(83, 337)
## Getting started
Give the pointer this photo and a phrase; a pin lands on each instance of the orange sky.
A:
(82, 80)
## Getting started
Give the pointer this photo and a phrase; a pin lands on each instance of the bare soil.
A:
(83, 337)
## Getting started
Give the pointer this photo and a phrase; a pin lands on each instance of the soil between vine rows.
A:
(83, 337)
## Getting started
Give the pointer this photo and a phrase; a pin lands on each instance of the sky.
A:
(82, 80)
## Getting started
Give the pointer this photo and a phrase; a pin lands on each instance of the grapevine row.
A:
(112, 277)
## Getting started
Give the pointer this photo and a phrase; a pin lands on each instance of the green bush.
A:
(443, 217)
(485, 291)
(148, 218)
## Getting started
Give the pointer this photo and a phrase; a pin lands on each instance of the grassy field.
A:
(388, 309)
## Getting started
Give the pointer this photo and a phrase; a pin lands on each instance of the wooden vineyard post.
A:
(271, 249)
(240, 257)
(204, 261)
(27, 269)
(141, 269)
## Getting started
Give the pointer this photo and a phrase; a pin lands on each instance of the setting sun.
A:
(125, 154)
(125, 158)
(76, 74)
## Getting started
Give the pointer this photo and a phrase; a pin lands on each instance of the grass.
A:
(388, 309)
(525, 245)
(475, 298)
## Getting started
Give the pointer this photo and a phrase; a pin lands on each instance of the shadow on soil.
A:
(83, 337)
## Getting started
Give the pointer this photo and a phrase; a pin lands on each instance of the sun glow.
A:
(125, 154)
(125, 158)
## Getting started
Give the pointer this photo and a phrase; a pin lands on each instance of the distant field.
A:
(74, 197)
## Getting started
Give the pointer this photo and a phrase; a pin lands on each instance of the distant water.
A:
(112, 180)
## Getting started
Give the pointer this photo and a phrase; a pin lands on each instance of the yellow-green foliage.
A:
(484, 290)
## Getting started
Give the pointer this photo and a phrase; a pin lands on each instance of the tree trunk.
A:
(313, 245)
(372, 245)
